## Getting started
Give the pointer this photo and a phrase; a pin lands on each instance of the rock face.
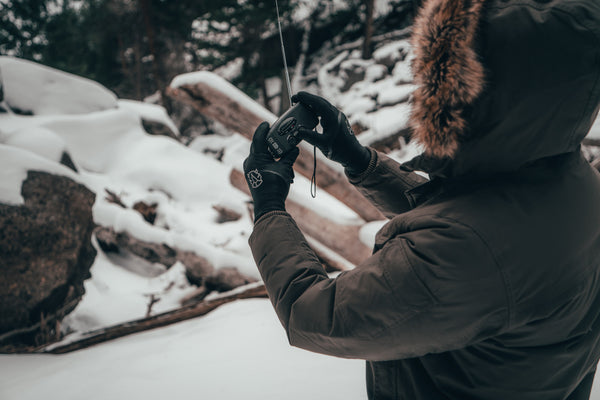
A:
(46, 252)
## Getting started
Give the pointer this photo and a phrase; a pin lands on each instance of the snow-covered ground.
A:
(238, 351)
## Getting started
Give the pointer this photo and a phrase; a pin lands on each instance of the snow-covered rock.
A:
(46, 253)
(38, 140)
(395, 94)
(154, 117)
(392, 53)
(112, 151)
(373, 93)
(31, 88)
(14, 164)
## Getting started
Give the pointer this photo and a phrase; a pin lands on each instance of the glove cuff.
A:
(357, 177)
(360, 161)
(268, 206)
(270, 213)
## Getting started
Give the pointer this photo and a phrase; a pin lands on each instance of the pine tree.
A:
(22, 27)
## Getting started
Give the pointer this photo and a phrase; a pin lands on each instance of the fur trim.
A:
(447, 71)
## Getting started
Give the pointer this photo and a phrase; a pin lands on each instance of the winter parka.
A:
(485, 282)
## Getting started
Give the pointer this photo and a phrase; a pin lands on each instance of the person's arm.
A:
(386, 185)
(430, 290)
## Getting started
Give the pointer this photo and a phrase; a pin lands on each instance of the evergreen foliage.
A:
(135, 47)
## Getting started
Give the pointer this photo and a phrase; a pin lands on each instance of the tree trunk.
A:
(137, 51)
(367, 44)
(146, 9)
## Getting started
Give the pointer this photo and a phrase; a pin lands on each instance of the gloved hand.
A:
(269, 180)
(337, 141)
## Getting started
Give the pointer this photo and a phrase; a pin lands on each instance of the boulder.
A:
(46, 255)
(34, 89)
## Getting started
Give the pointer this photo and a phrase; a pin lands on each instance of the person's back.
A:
(545, 247)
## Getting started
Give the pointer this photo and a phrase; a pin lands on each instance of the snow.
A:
(396, 50)
(375, 72)
(237, 351)
(47, 91)
(14, 164)
(38, 140)
(329, 84)
(117, 294)
(379, 103)
(358, 106)
(389, 120)
(383, 122)
(149, 112)
(395, 94)
(232, 69)
(402, 73)
(595, 131)
(324, 204)
(367, 232)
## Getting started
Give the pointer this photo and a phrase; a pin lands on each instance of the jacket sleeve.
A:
(416, 295)
(385, 184)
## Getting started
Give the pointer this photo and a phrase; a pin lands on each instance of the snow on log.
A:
(595, 131)
(218, 99)
(199, 270)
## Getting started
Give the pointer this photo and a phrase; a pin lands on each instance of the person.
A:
(485, 281)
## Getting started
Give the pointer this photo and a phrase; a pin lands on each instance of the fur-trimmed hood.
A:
(503, 83)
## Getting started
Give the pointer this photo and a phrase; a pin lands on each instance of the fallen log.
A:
(199, 270)
(220, 105)
(157, 321)
(342, 239)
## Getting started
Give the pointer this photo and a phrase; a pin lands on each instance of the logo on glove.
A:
(254, 178)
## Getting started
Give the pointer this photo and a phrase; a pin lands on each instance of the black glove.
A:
(337, 141)
(269, 180)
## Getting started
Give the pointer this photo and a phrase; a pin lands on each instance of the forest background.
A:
(136, 47)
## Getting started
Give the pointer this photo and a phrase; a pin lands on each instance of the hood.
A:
(503, 83)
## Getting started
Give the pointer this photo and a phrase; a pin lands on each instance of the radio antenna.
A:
(287, 72)
(313, 179)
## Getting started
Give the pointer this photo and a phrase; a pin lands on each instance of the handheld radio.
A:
(283, 135)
